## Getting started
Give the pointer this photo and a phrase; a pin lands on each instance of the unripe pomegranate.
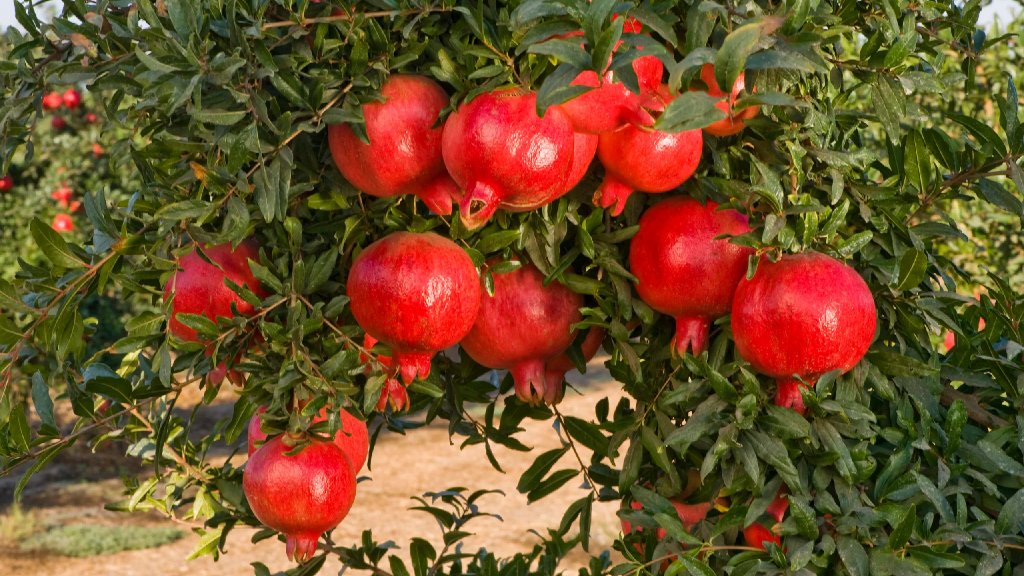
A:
(63, 223)
(521, 327)
(72, 98)
(353, 438)
(199, 288)
(802, 316)
(417, 293)
(733, 122)
(302, 495)
(555, 368)
(6, 183)
(505, 156)
(52, 101)
(58, 123)
(646, 160)
(683, 270)
(404, 153)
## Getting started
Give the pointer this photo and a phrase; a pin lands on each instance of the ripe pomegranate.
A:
(802, 316)
(63, 223)
(646, 160)
(97, 149)
(778, 507)
(58, 123)
(611, 105)
(302, 495)
(404, 153)
(683, 270)
(555, 368)
(353, 438)
(689, 514)
(91, 118)
(72, 98)
(758, 536)
(417, 293)
(504, 156)
(52, 101)
(733, 122)
(521, 327)
(6, 183)
(199, 288)
(62, 195)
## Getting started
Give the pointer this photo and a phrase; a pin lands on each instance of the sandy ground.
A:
(422, 461)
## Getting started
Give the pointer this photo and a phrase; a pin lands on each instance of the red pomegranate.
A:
(199, 287)
(91, 118)
(611, 105)
(758, 536)
(6, 183)
(733, 122)
(62, 195)
(404, 153)
(689, 514)
(63, 223)
(801, 317)
(555, 368)
(683, 270)
(505, 156)
(393, 392)
(72, 98)
(417, 293)
(53, 101)
(521, 327)
(646, 160)
(58, 123)
(353, 438)
(302, 495)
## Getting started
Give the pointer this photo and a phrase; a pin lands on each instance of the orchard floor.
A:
(76, 487)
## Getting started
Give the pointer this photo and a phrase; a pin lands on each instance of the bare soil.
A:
(74, 488)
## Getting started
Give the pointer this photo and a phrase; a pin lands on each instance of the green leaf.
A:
(890, 103)
(986, 136)
(53, 246)
(689, 111)
(917, 163)
(553, 482)
(853, 555)
(854, 243)
(541, 466)
(935, 496)
(731, 58)
(221, 117)
(913, 266)
(586, 433)
(43, 403)
(18, 428)
(774, 452)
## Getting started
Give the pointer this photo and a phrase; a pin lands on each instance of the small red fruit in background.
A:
(802, 316)
(72, 98)
(302, 495)
(644, 160)
(523, 326)
(58, 123)
(63, 223)
(52, 101)
(417, 293)
(404, 153)
(97, 150)
(733, 122)
(198, 287)
(62, 195)
(91, 118)
(683, 271)
(6, 183)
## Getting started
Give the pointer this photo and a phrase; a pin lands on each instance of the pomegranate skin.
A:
(301, 496)
(404, 153)
(353, 438)
(556, 368)
(198, 287)
(683, 271)
(758, 536)
(521, 327)
(644, 160)
(802, 316)
(733, 122)
(503, 155)
(417, 293)
(611, 105)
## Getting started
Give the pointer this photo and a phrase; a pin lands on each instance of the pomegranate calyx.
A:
(301, 547)
(439, 195)
(788, 394)
(612, 194)
(478, 205)
(531, 383)
(691, 334)
(413, 365)
(395, 395)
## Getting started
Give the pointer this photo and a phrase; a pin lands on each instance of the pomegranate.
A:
(505, 156)
(758, 536)
(801, 317)
(683, 270)
(521, 327)
(392, 393)
(198, 287)
(777, 508)
(6, 183)
(611, 105)
(353, 438)
(58, 123)
(555, 368)
(302, 495)
(91, 118)
(62, 195)
(53, 101)
(733, 122)
(646, 160)
(404, 153)
(72, 98)
(417, 293)
(689, 514)
(63, 223)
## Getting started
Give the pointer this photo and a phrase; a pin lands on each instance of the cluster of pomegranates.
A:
(70, 99)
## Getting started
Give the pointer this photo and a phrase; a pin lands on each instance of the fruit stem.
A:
(788, 393)
(478, 205)
(692, 334)
(301, 547)
(439, 194)
(413, 365)
(532, 386)
(612, 194)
